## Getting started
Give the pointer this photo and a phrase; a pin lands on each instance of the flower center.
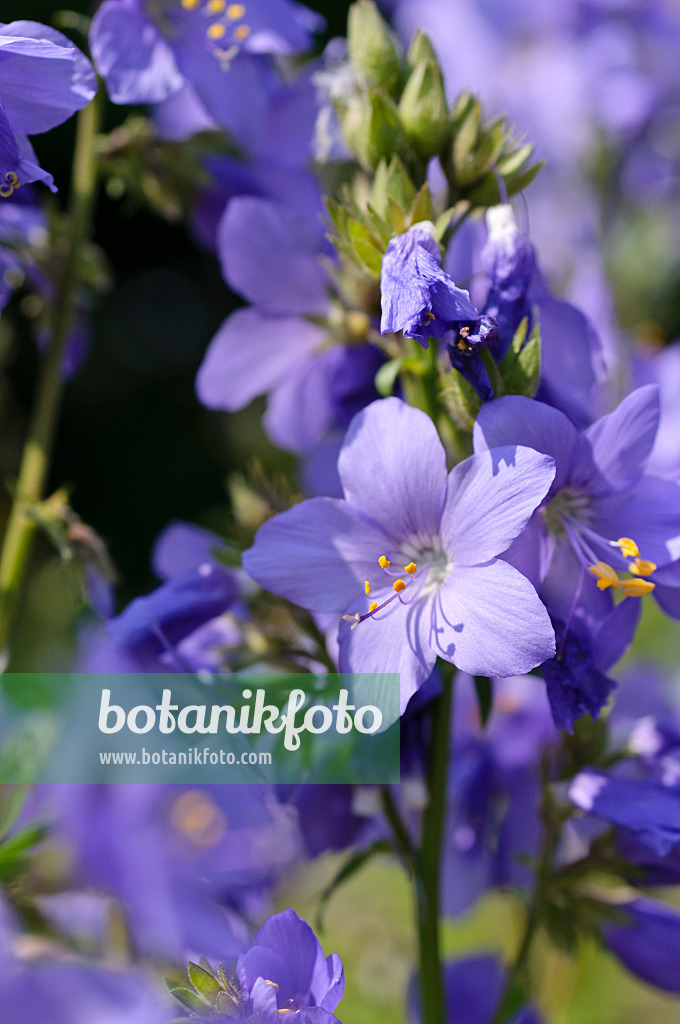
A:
(568, 502)
(421, 581)
(220, 23)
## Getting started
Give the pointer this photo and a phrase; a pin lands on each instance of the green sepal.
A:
(392, 181)
(204, 982)
(461, 400)
(521, 368)
(186, 997)
(421, 49)
(367, 253)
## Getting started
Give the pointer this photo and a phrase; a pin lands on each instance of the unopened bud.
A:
(373, 47)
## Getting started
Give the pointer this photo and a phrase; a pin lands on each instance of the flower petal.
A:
(490, 621)
(131, 56)
(269, 255)
(518, 420)
(317, 554)
(490, 499)
(393, 465)
(397, 640)
(617, 446)
(44, 78)
(250, 353)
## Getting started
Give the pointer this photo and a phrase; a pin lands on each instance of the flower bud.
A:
(381, 133)
(424, 111)
(373, 48)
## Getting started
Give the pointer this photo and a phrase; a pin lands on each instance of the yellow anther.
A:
(217, 31)
(268, 982)
(241, 33)
(190, 5)
(372, 607)
(605, 575)
(637, 588)
(642, 567)
(464, 346)
(384, 562)
(429, 316)
(398, 586)
(411, 568)
(12, 185)
(236, 11)
(628, 547)
(367, 588)
(216, 6)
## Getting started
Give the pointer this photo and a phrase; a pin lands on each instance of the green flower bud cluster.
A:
(395, 120)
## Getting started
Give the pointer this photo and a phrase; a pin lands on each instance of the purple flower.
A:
(147, 51)
(418, 297)
(645, 809)
(464, 347)
(186, 863)
(509, 260)
(44, 79)
(575, 679)
(270, 255)
(493, 822)
(601, 498)
(285, 970)
(649, 944)
(182, 625)
(68, 994)
(473, 989)
(410, 553)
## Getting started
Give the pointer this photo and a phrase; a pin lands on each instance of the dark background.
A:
(133, 443)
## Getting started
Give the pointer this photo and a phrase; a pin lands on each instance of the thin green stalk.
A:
(37, 451)
(428, 862)
(517, 985)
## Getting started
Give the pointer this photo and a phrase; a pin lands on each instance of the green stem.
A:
(516, 990)
(399, 830)
(428, 861)
(37, 451)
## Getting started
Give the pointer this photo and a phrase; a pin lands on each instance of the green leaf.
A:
(386, 376)
(350, 867)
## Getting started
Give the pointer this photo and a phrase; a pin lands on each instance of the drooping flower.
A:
(44, 79)
(418, 297)
(410, 553)
(464, 347)
(285, 971)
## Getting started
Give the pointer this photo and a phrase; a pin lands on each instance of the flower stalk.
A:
(429, 859)
(37, 452)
